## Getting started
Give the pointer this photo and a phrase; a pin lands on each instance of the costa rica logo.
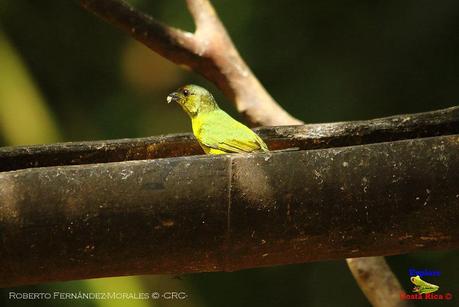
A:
(422, 289)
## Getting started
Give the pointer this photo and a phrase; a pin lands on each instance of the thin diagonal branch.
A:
(174, 44)
(209, 51)
(377, 281)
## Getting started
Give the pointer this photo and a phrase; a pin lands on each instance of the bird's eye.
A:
(186, 92)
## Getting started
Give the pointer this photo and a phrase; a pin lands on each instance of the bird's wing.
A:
(224, 133)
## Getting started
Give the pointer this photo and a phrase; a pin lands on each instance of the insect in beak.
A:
(174, 97)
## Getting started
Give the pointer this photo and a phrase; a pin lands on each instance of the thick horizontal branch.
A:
(305, 137)
(228, 212)
(32, 209)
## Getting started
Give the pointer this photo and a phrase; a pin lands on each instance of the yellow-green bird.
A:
(216, 131)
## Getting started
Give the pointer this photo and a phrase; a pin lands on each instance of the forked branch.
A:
(208, 51)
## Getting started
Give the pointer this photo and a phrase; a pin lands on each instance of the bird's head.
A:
(193, 99)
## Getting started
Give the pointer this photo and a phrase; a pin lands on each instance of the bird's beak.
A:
(173, 97)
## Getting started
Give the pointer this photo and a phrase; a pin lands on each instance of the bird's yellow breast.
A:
(196, 124)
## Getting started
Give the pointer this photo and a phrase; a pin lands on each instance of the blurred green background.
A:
(67, 76)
